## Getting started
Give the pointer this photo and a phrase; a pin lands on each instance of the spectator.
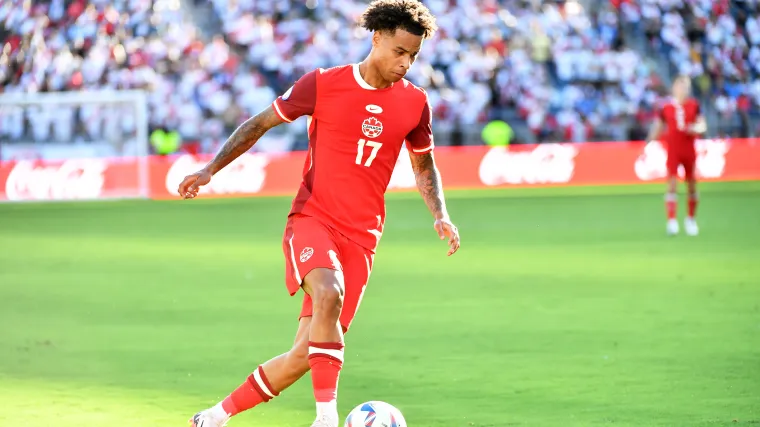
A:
(564, 70)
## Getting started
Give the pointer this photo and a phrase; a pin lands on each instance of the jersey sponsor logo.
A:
(306, 253)
(374, 109)
(545, 164)
(287, 93)
(372, 127)
(72, 179)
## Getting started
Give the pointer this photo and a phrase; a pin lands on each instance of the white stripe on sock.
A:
(260, 382)
(338, 354)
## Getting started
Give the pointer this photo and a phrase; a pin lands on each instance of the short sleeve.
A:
(697, 108)
(661, 113)
(420, 139)
(299, 100)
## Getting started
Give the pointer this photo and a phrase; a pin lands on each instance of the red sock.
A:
(693, 200)
(255, 390)
(325, 360)
(671, 205)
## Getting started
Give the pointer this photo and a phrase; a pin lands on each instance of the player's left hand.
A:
(698, 128)
(446, 228)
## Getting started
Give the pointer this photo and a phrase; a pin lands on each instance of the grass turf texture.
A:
(564, 307)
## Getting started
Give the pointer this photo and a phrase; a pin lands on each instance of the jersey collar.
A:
(362, 83)
(360, 80)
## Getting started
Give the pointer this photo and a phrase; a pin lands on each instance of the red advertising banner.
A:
(250, 174)
(73, 179)
(461, 167)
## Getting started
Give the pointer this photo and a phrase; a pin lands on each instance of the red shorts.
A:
(309, 244)
(686, 159)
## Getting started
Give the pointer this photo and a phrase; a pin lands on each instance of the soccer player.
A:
(683, 121)
(359, 116)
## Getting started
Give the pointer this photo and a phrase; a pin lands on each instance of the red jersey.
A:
(677, 118)
(355, 136)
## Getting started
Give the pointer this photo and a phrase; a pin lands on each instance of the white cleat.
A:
(672, 227)
(206, 419)
(326, 420)
(690, 226)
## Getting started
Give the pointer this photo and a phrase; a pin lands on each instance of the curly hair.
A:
(408, 15)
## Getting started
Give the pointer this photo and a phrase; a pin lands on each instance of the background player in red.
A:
(360, 116)
(683, 122)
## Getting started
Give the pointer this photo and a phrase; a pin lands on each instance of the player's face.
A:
(681, 88)
(395, 53)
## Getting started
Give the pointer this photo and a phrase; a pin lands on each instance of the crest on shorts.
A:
(372, 127)
(306, 253)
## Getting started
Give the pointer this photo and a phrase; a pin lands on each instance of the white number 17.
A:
(360, 151)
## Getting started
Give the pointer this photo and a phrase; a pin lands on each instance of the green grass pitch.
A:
(564, 307)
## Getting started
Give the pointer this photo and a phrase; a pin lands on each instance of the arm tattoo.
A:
(244, 137)
(429, 184)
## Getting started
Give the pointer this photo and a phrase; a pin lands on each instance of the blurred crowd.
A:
(560, 71)
(564, 70)
(716, 42)
(195, 88)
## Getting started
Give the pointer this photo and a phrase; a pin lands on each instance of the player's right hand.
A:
(189, 186)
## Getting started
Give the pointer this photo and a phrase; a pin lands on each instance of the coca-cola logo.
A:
(545, 164)
(711, 157)
(711, 160)
(72, 179)
(245, 175)
(651, 162)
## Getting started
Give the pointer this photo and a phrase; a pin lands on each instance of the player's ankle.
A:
(228, 407)
(329, 409)
(219, 412)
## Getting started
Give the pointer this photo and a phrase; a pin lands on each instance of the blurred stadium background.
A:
(555, 71)
(567, 306)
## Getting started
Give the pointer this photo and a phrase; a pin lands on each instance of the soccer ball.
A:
(375, 414)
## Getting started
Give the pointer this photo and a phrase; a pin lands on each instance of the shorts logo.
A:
(372, 127)
(306, 253)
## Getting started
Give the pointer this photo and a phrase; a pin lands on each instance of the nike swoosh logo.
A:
(374, 109)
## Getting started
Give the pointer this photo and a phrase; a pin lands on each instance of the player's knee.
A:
(328, 296)
(326, 289)
(672, 185)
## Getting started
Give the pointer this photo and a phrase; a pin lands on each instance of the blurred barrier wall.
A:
(461, 167)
